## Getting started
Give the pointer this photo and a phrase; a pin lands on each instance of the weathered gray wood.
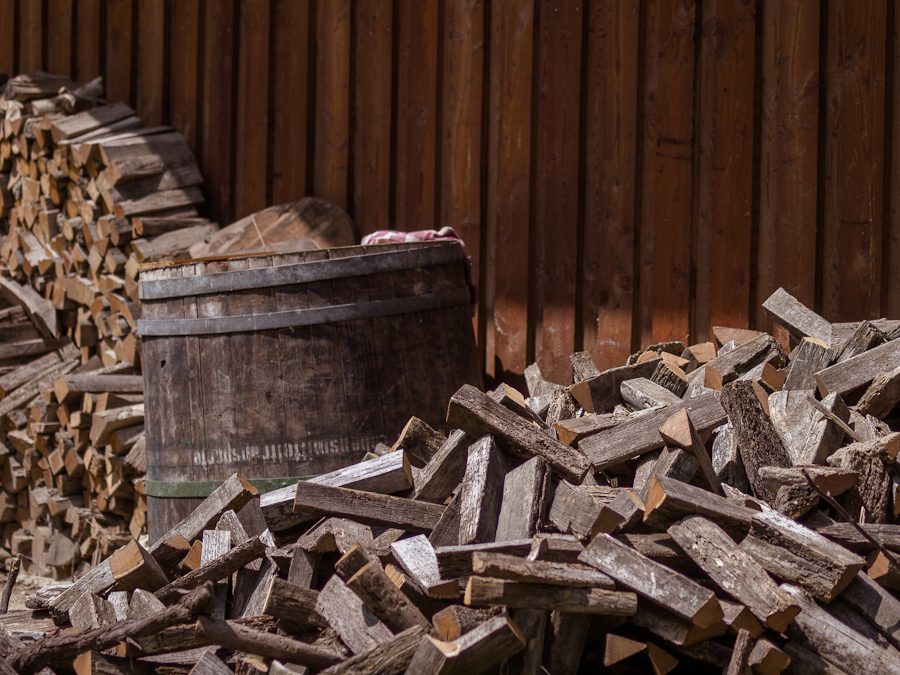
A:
(867, 500)
(446, 532)
(673, 628)
(794, 553)
(482, 591)
(573, 430)
(825, 432)
(385, 600)
(799, 320)
(734, 571)
(386, 475)
(575, 510)
(144, 604)
(671, 377)
(512, 398)
(210, 664)
(746, 357)
(388, 658)
(419, 441)
(860, 370)
(91, 611)
(878, 605)
(600, 393)
(640, 434)
(669, 500)
(882, 396)
(477, 415)
(347, 614)
(219, 568)
(40, 310)
(567, 635)
(525, 491)
(756, 438)
(293, 606)
(99, 580)
(836, 642)
(583, 366)
(419, 560)
(563, 406)
(809, 359)
(641, 393)
(314, 500)
(726, 458)
(678, 431)
(258, 585)
(866, 336)
(456, 561)
(738, 664)
(231, 495)
(444, 471)
(474, 653)
(515, 568)
(481, 492)
(658, 583)
(828, 479)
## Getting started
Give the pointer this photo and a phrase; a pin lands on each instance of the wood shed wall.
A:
(622, 171)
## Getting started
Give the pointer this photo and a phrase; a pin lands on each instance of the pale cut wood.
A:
(658, 583)
(346, 613)
(456, 620)
(835, 641)
(336, 534)
(767, 659)
(799, 320)
(640, 434)
(133, 567)
(478, 415)
(524, 497)
(618, 648)
(482, 591)
(476, 652)
(312, 500)
(734, 571)
(481, 492)
(736, 362)
(794, 553)
(419, 560)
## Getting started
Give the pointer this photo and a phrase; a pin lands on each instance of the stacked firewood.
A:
(730, 507)
(87, 194)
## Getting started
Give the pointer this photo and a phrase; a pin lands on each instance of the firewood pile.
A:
(698, 509)
(87, 194)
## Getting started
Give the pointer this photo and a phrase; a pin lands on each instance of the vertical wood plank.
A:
(290, 99)
(372, 135)
(891, 301)
(610, 175)
(509, 172)
(184, 52)
(88, 41)
(59, 37)
(252, 124)
(556, 185)
(854, 154)
(8, 37)
(788, 154)
(667, 172)
(416, 106)
(30, 37)
(725, 175)
(217, 129)
(118, 51)
(460, 133)
(332, 101)
(150, 61)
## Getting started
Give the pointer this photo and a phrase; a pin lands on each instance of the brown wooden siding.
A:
(622, 171)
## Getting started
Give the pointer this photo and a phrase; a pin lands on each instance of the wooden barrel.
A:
(292, 365)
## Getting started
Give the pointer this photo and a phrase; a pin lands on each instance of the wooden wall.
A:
(622, 171)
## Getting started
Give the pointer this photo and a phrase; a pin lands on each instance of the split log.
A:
(514, 568)
(481, 492)
(482, 591)
(347, 614)
(419, 560)
(525, 491)
(388, 658)
(800, 321)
